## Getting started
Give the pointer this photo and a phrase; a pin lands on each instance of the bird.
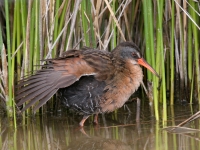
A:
(89, 81)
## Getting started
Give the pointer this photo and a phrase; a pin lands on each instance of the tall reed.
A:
(150, 48)
(9, 97)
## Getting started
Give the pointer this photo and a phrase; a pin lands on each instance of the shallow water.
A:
(117, 130)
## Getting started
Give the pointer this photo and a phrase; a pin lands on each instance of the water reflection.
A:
(94, 143)
(117, 130)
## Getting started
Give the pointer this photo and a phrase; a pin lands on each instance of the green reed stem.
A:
(9, 100)
(14, 40)
(36, 55)
(56, 22)
(190, 60)
(149, 36)
(23, 27)
(192, 88)
(32, 32)
(167, 69)
(62, 18)
(149, 39)
(160, 50)
(172, 56)
(85, 21)
(190, 50)
(196, 48)
(92, 32)
(18, 38)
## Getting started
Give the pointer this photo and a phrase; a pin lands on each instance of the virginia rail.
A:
(89, 81)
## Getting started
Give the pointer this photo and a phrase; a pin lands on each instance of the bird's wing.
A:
(59, 73)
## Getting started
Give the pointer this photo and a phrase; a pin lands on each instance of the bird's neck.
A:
(135, 74)
(129, 81)
(130, 76)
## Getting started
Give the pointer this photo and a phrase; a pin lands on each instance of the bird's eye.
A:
(134, 55)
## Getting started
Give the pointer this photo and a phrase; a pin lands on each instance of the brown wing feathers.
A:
(59, 73)
(63, 72)
(34, 88)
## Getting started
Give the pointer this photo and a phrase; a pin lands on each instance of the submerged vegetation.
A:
(167, 33)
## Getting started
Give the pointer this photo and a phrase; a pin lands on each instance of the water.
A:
(117, 130)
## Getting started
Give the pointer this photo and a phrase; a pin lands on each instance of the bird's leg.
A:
(96, 118)
(83, 120)
(129, 111)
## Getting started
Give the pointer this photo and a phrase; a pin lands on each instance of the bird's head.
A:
(129, 51)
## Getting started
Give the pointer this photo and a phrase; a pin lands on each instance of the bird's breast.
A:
(118, 91)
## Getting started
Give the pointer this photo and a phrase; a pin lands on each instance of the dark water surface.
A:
(117, 130)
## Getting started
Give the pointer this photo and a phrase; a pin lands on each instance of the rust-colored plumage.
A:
(88, 81)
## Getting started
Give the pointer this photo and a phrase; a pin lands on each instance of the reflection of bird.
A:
(89, 81)
(94, 143)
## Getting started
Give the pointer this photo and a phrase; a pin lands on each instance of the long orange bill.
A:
(143, 62)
